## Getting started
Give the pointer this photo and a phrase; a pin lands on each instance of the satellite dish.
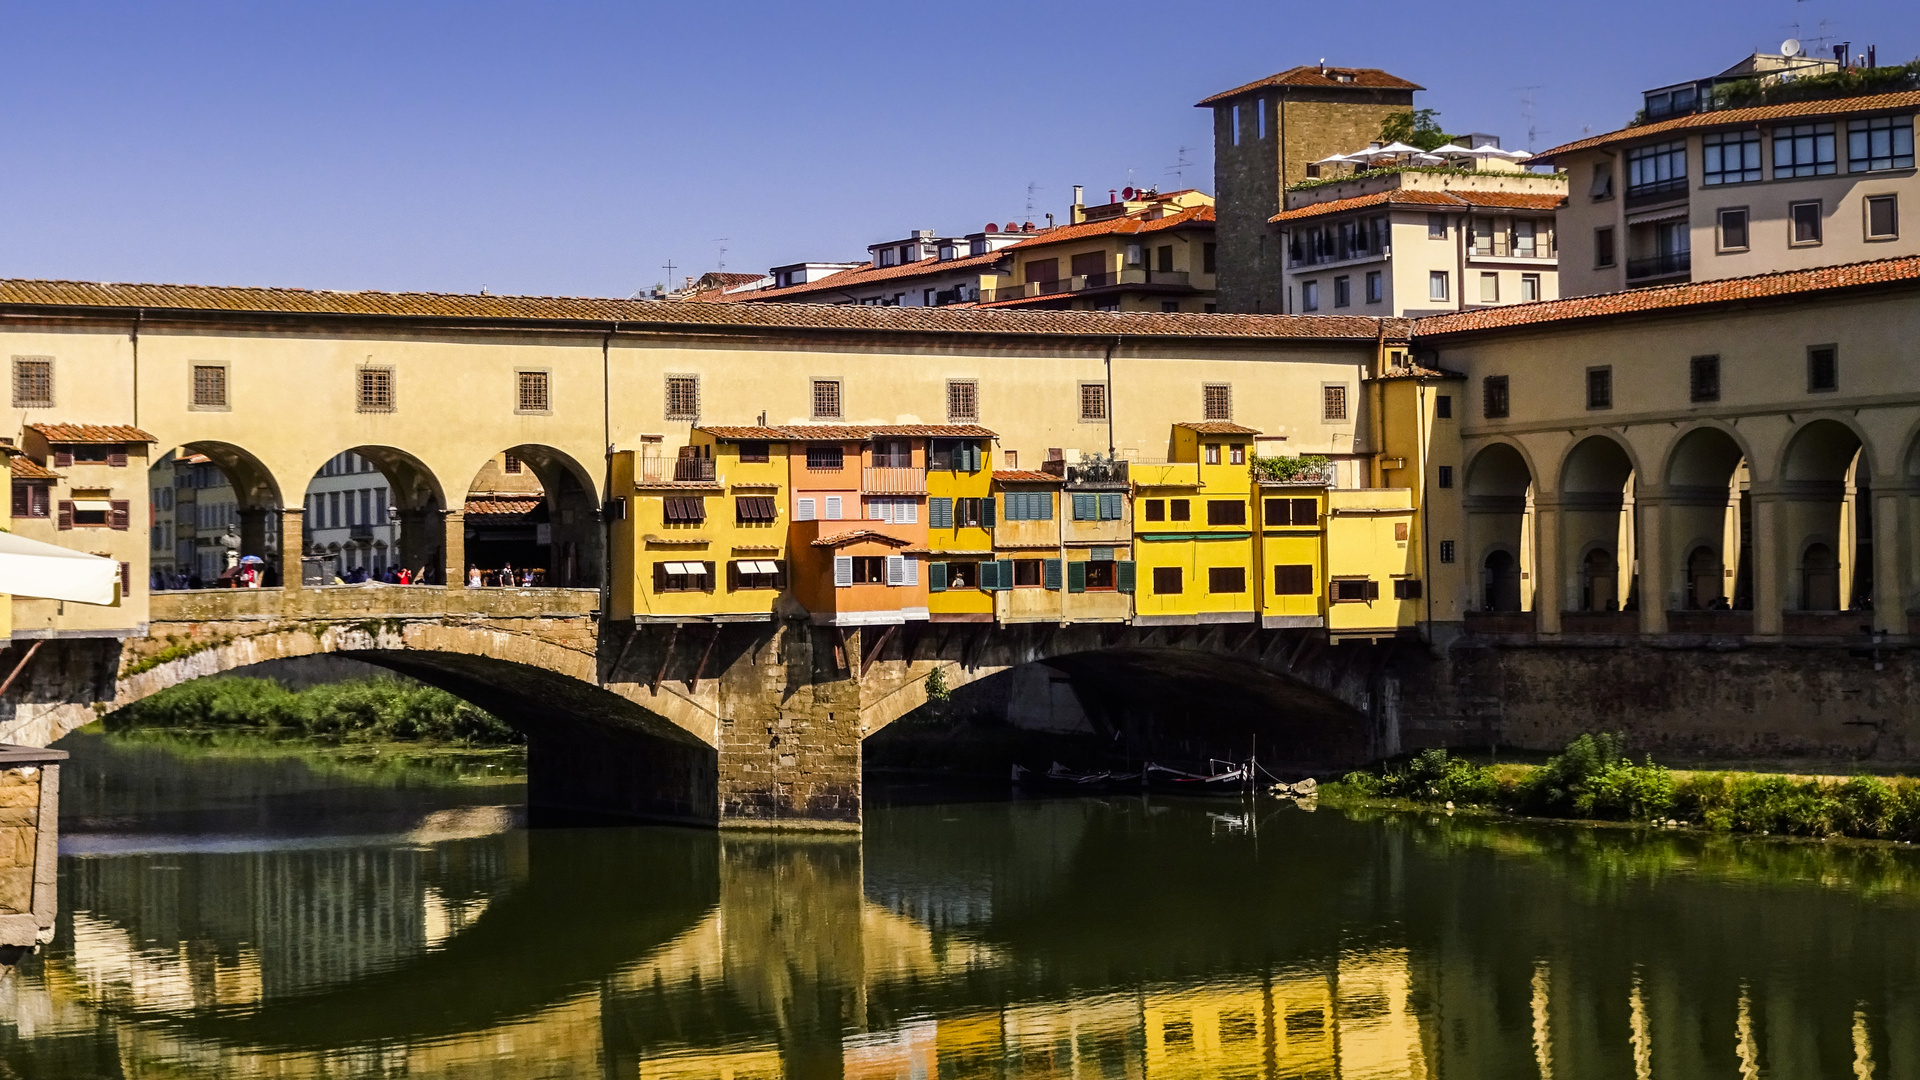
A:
(1126, 193)
(1790, 47)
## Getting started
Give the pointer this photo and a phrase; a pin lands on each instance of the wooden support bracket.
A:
(873, 650)
(840, 648)
(633, 634)
(673, 639)
(693, 684)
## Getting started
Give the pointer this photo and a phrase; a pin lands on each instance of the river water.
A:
(264, 915)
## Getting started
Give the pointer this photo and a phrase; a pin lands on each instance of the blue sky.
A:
(576, 148)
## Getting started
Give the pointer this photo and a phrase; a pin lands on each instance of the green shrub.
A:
(363, 709)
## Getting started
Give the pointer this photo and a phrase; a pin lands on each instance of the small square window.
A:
(1823, 368)
(1236, 454)
(32, 382)
(1293, 580)
(209, 386)
(1489, 288)
(1227, 579)
(376, 390)
(1493, 397)
(1733, 229)
(1093, 401)
(1213, 454)
(1342, 292)
(963, 399)
(683, 397)
(1883, 217)
(826, 457)
(1375, 291)
(532, 394)
(1529, 288)
(1603, 247)
(1446, 476)
(1446, 551)
(1310, 296)
(1333, 402)
(826, 399)
(1179, 510)
(1805, 223)
(1216, 401)
(510, 464)
(1166, 580)
(1436, 226)
(1443, 407)
(1703, 378)
(1600, 388)
(754, 451)
(1156, 509)
(1170, 307)
(1437, 285)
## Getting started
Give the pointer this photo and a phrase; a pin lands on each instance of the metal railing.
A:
(1658, 191)
(885, 481)
(1671, 263)
(1082, 282)
(1501, 247)
(1323, 475)
(687, 470)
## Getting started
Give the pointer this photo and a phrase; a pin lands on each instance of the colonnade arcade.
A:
(1771, 525)
(371, 507)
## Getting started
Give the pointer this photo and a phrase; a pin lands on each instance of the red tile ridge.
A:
(1904, 99)
(1328, 77)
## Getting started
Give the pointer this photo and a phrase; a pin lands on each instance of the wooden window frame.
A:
(366, 402)
(1216, 401)
(1102, 408)
(1335, 408)
(195, 403)
(1814, 362)
(542, 385)
(675, 402)
(1215, 575)
(21, 365)
(1599, 386)
(1160, 579)
(1288, 579)
(963, 400)
(818, 390)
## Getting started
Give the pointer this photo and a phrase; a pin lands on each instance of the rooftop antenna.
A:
(1032, 186)
(722, 268)
(1529, 117)
(1180, 166)
(669, 269)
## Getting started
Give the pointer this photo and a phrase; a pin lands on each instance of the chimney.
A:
(1077, 213)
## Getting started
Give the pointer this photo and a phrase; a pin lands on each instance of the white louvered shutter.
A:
(896, 570)
(842, 570)
(833, 508)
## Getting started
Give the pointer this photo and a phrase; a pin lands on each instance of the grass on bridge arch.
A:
(361, 710)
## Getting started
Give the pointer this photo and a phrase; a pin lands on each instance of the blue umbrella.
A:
(245, 559)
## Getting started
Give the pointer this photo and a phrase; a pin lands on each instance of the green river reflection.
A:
(251, 916)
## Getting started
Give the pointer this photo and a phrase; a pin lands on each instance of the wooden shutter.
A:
(1110, 507)
(940, 513)
(710, 578)
(1050, 574)
(1086, 507)
(62, 458)
(986, 511)
(117, 457)
(989, 575)
(1004, 573)
(659, 577)
(121, 516)
(733, 575)
(1076, 577)
(22, 500)
(66, 513)
(1123, 575)
(937, 577)
(842, 570)
(126, 580)
(1373, 590)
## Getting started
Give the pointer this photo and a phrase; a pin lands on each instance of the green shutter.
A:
(1086, 507)
(937, 577)
(1050, 568)
(1002, 573)
(986, 517)
(1043, 506)
(989, 575)
(940, 513)
(1077, 577)
(1124, 578)
(1110, 507)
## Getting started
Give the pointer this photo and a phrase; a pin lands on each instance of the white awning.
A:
(103, 506)
(761, 566)
(43, 571)
(686, 568)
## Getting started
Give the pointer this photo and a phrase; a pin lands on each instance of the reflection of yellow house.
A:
(1193, 539)
(752, 1063)
(1205, 1033)
(704, 533)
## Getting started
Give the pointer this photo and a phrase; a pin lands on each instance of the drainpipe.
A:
(1426, 523)
(138, 315)
(1110, 348)
(1460, 249)
(606, 482)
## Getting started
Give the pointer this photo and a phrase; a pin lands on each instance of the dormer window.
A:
(889, 257)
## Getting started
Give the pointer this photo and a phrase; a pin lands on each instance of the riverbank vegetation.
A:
(361, 710)
(1593, 779)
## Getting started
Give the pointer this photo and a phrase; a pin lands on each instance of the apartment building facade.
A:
(1735, 192)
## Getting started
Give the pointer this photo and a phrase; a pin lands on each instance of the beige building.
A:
(1735, 192)
(1265, 135)
(81, 486)
(1409, 243)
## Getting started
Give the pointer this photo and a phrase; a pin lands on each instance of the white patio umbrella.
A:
(43, 571)
(1392, 149)
(1335, 159)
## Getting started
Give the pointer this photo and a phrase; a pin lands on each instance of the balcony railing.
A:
(1306, 254)
(1500, 247)
(1177, 279)
(1323, 475)
(884, 481)
(1657, 192)
(1667, 265)
(688, 470)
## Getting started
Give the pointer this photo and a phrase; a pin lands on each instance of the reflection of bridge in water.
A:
(1007, 940)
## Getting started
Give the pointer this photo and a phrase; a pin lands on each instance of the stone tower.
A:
(1265, 134)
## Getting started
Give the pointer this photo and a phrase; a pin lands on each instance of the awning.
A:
(686, 568)
(104, 506)
(33, 569)
(758, 566)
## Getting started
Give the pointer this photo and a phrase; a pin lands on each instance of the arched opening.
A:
(1705, 580)
(1709, 521)
(1499, 508)
(1596, 523)
(372, 512)
(215, 507)
(532, 519)
(1826, 504)
(1500, 582)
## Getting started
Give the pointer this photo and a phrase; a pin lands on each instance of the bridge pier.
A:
(789, 747)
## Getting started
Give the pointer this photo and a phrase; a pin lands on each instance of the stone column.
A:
(1890, 583)
(1656, 561)
(420, 539)
(253, 531)
(1549, 566)
(790, 741)
(1769, 576)
(455, 523)
(292, 545)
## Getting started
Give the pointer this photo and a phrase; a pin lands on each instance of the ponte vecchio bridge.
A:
(1611, 540)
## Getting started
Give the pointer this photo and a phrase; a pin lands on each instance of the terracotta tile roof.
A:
(1676, 297)
(1499, 200)
(1124, 225)
(862, 275)
(1217, 427)
(848, 432)
(1906, 99)
(667, 315)
(91, 433)
(736, 434)
(1025, 476)
(502, 507)
(25, 468)
(859, 535)
(1315, 76)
